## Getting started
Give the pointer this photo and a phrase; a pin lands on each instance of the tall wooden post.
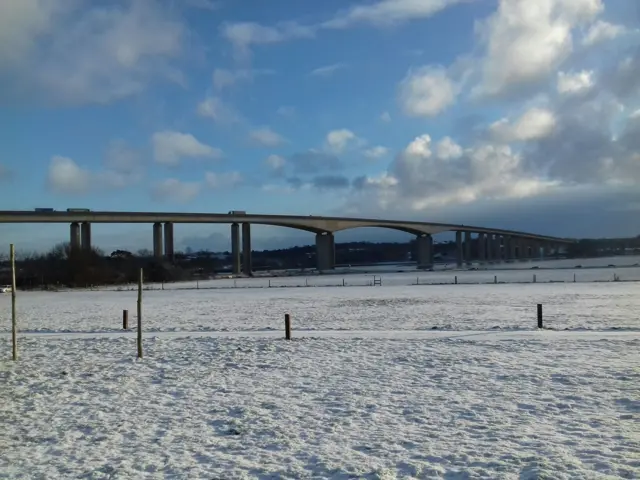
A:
(14, 324)
(287, 326)
(140, 314)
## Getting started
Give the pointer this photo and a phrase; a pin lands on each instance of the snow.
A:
(367, 389)
(322, 408)
(421, 307)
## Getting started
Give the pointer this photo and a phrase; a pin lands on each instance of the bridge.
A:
(491, 245)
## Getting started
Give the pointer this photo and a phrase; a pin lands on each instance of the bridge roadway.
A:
(490, 244)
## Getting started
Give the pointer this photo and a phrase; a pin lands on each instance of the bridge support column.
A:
(168, 241)
(74, 237)
(482, 247)
(467, 247)
(325, 251)
(235, 248)
(459, 249)
(497, 245)
(509, 248)
(247, 263)
(424, 251)
(85, 234)
(157, 240)
(490, 248)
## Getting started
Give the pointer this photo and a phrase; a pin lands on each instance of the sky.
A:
(513, 114)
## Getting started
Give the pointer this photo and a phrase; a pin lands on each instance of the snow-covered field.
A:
(367, 389)
(322, 408)
(452, 307)
(557, 271)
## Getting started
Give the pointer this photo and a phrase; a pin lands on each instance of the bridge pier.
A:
(235, 248)
(482, 247)
(74, 237)
(325, 251)
(497, 246)
(85, 236)
(157, 240)
(424, 251)
(247, 263)
(168, 241)
(510, 248)
(467, 247)
(459, 248)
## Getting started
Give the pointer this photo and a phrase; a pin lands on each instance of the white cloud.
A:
(426, 92)
(276, 163)
(534, 124)
(266, 137)
(575, 83)
(327, 70)
(338, 140)
(122, 169)
(73, 53)
(376, 152)
(223, 180)
(602, 31)
(243, 35)
(526, 41)
(170, 147)
(210, 5)
(447, 149)
(388, 12)
(635, 114)
(385, 117)
(223, 78)
(67, 177)
(215, 109)
(175, 190)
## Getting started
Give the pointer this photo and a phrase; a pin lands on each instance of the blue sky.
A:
(511, 113)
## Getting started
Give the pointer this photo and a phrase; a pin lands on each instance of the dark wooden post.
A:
(540, 315)
(287, 326)
(125, 319)
(140, 314)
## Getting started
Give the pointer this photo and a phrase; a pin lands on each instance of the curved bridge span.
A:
(490, 244)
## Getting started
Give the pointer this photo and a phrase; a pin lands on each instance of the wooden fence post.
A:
(14, 323)
(540, 316)
(287, 326)
(140, 314)
(125, 319)
(455, 279)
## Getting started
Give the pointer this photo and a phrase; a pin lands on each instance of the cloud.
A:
(71, 53)
(174, 190)
(314, 161)
(338, 140)
(210, 5)
(276, 164)
(122, 168)
(169, 148)
(602, 31)
(526, 41)
(383, 13)
(447, 149)
(385, 117)
(575, 83)
(244, 35)
(426, 92)
(330, 182)
(223, 180)
(215, 109)
(327, 70)
(265, 137)
(66, 177)
(535, 123)
(223, 78)
(388, 12)
(376, 152)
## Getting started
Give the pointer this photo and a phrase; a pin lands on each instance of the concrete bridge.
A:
(491, 245)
